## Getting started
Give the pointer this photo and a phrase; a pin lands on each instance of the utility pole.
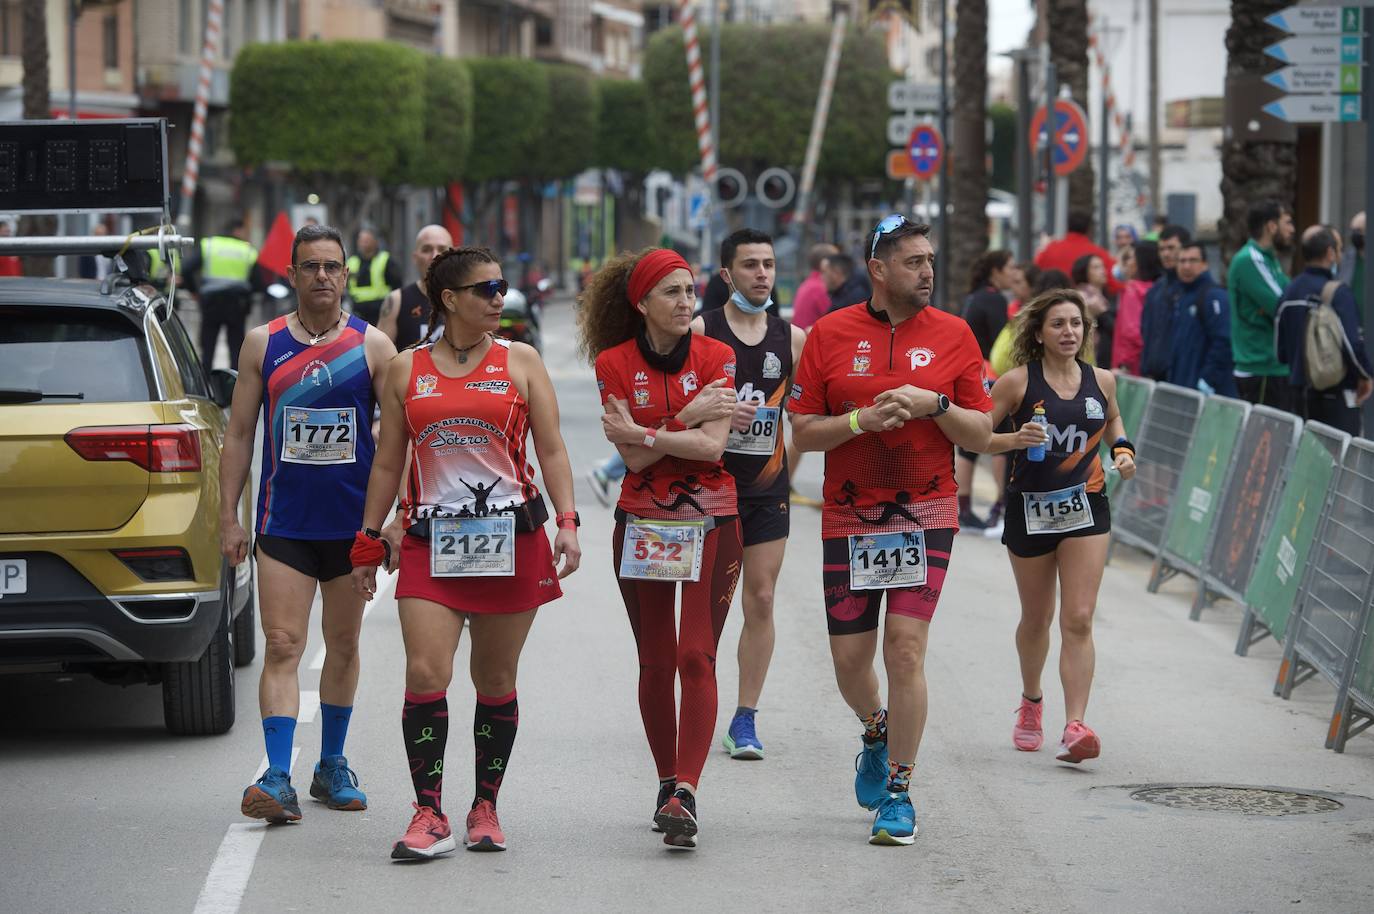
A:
(1152, 66)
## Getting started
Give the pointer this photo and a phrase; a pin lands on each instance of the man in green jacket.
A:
(1255, 280)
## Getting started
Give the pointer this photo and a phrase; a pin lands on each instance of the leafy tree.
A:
(623, 136)
(1004, 140)
(568, 141)
(512, 105)
(447, 126)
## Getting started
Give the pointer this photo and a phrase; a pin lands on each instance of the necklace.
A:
(463, 350)
(316, 337)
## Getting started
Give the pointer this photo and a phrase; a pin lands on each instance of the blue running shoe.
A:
(741, 741)
(870, 784)
(895, 822)
(271, 798)
(336, 785)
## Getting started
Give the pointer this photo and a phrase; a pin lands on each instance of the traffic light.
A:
(731, 187)
(775, 187)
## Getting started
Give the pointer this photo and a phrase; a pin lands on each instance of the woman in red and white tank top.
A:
(474, 545)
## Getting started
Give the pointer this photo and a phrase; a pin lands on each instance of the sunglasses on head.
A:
(889, 225)
(488, 288)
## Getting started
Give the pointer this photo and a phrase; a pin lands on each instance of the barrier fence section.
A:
(1282, 562)
(1132, 399)
(1327, 618)
(1355, 701)
(1193, 522)
(1263, 456)
(1170, 420)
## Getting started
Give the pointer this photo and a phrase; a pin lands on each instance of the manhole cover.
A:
(1250, 801)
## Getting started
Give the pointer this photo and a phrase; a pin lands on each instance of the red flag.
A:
(275, 253)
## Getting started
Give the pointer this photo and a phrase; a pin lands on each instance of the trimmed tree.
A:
(624, 140)
(511, 98)
(447, 126)
(567, 143)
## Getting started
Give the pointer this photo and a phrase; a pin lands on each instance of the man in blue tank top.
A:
(315, 375)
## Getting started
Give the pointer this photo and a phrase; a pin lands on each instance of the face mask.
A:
(1357, 239)
(745, 304)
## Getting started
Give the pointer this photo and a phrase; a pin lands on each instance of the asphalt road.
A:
(101, 810)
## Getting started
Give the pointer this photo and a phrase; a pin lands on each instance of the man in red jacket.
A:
(1061, 254)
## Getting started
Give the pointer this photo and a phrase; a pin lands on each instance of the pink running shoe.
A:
(1079, 743)
(428, 836)
(1027, 734)
(484, 831)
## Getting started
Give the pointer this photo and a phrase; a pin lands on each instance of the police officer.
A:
(221, 271)
(371, 277)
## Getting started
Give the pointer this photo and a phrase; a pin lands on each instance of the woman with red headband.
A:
(668, 396)
(474, 546)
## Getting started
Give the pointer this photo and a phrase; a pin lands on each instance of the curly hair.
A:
(604, 317)
(449, 270)
(1030, 320)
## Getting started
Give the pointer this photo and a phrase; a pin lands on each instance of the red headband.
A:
(651, 268)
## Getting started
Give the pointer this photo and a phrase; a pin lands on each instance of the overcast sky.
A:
(1008, 23)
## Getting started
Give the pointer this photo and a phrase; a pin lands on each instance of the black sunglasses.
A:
(488, 288)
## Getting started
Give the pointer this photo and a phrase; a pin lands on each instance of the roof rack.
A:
(108, 245)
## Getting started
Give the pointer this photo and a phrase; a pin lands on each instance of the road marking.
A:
(309, 707)
(383, 590)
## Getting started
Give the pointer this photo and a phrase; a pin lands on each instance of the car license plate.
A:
(14, 576)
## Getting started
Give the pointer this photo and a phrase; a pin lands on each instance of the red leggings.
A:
(681, 740)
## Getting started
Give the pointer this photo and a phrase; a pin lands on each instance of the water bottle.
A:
(1036, 453)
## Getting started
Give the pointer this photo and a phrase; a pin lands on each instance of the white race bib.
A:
(319, 436)
(662, 550)
(472, 547)
(761, 437)
(887, 560)
(1060, 511)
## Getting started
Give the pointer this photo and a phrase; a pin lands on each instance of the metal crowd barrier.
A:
(1201, 484)
(1324, 630)
(1282, 564)
(1132, 398)
(1256, 480)
(1355, 700)
(1170, 420)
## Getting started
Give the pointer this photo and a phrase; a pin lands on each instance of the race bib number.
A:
(761, 437)
(887, 560)
(1060, 511)
(662, 550)
(472, 547)
(319, 436)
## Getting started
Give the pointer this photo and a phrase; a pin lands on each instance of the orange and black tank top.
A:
(1076, 427)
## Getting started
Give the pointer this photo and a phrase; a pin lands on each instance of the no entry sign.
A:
(926, 150)
(1069, 139)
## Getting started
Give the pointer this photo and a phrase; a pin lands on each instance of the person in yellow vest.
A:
(221, 270)
(372, 275)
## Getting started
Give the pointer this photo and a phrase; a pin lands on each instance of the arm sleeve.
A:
(970, 390)
(1257, 289)
(808, 391)
(608, 380)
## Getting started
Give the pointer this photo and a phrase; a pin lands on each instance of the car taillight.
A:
(156, 448)
(157, 564)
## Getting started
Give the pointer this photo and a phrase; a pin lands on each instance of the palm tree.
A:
(37, 106)
(1068, 32)
(1258, 169)
(968, 143)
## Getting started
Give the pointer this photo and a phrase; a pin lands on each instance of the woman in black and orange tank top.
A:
(1057, 519)
(474, 546)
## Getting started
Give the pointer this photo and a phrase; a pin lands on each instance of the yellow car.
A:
(110, 435)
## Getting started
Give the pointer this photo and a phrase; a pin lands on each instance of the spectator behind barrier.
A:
(1156, 315)
(1199, 345)
(1142, 270)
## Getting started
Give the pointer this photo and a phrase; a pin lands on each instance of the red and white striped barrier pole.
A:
(822, 114)
(705, 144)
(191, 174)
(1118, 120)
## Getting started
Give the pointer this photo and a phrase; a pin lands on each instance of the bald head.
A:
(430, 242)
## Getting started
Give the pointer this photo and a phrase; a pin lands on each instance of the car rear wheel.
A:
(246, 627)
(198, 697)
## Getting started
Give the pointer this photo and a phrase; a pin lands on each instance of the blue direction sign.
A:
(1318, 20)
(1318, 49)
(1315, 109)
(926, 150)
(1336, 80)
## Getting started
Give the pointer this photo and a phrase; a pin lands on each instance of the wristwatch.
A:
(941, 406)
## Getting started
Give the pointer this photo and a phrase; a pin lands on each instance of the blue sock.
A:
(335, 720)
(279, 733)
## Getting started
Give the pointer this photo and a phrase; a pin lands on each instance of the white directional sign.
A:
(1337, 80)
(1319, 49)
(1315, 109)
(899, 126)
(1309, 20)
(905, 96)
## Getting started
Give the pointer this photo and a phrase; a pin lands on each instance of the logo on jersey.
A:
(747, 394)
(641, 398)
(425, 385)
(491, 387)
(689, 382)
(796, 392)
(317, 374)
(1094, 408)
(865, 345)
(1070, 439)
(641, 378)
(730, 370)
(920, 357)
(600, 386)
(861, 364)
(449, 439)
(283, 357)
(772, 366)
(493, 369)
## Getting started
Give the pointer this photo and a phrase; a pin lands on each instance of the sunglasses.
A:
(311, 267)
(889, 225)
(488, 289)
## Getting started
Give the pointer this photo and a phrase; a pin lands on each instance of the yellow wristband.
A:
(854, 422)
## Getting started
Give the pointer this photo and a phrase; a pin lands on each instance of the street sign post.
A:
(926, 149)
(1317, 49)
(1340, 79)
(899, 166)
(1316, 109)
(906, 96)
(1069, 140)
(1318, 20)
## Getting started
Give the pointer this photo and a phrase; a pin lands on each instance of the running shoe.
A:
(272, 798)
(741, 741)
(1078, 744)
(870, 783)
(335, 784)
(484, 831)
(665, 790)
(677, 819)
(806, 501)
(428, 836)
(895, 822)
(971, 523)
(1027, 733)
(601, 485)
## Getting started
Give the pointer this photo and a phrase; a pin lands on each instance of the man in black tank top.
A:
(766, 349)
(405, 312)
